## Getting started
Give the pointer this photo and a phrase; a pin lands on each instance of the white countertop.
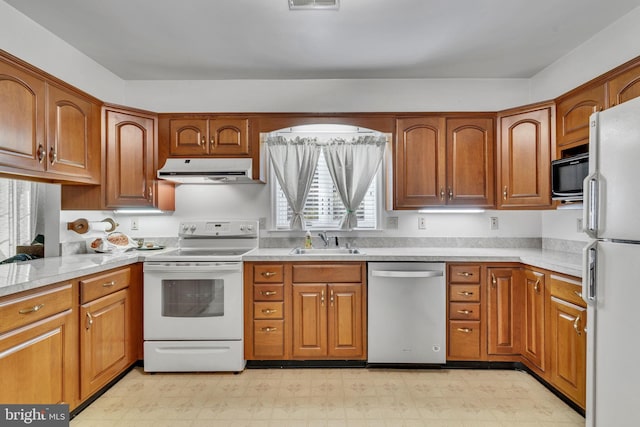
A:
(27, 275)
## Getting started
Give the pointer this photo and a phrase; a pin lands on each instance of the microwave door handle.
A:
(590, 212)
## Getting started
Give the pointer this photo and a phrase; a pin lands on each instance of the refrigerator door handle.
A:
(590, 257)
(590, 213)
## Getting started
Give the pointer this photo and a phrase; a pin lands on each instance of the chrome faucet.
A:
(325, 238)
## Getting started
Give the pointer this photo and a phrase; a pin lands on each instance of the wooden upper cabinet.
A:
(129, 176)
(572, 116)
(208, 137)
(524, 159)
(22, 106)
(624, 86)
(419, 168)
(73, 143)
(470, 163)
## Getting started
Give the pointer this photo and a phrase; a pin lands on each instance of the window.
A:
(324, 209)
(16, 214)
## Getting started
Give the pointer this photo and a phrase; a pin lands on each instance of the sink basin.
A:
(328, 251)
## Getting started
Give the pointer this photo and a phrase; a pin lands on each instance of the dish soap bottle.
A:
(307, 240)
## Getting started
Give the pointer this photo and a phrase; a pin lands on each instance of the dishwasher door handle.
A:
(407, 274)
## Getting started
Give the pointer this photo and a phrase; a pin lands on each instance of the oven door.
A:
(193, 301)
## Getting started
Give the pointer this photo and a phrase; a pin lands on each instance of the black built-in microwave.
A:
(567, 176)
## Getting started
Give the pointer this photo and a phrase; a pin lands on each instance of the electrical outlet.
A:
(392, 223)
(134, 223)
(422, 223)
(579, 228)
(494, 222)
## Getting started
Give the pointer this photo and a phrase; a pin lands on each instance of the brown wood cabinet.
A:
(465, 338)
(208, 136)
(568, 342)
(47, 130)
(504, 302)
(38, 346)
(572, 117)
(534, 318)
(106, 343)
(305, 311)
(524, 157)
(624, 86)
(443, 161)
(129, 176)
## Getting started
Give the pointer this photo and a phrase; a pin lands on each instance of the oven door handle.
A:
(192, 267)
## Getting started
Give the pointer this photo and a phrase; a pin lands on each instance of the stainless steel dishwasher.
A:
(407, 312)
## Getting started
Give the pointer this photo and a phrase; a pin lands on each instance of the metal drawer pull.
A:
(322, 298)
(268, 293)
(578, 293)
(465, 330)
(465, 293)
(494, 282)
(465, 274)
(536, 287)
(31, 309)
(331, 297)
(269, 329)
(109, 284)
(268, 274)
(269, 311)
(465, 311)
(576, 327)
(89, 321)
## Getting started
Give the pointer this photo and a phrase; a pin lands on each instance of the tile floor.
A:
(328, 398)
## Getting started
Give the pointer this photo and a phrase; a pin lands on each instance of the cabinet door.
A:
(105, 348)
(524, 159)
(568, 349)
(22, 102)
(345, 321)
(188, 137)
(624, 87)
(73, 147)
(37, 365)
(419, 164)
(470, 165)
(129, 176)
(572, 117)
(503, 306)
(229, 137)
(309, 320)
(534, 336)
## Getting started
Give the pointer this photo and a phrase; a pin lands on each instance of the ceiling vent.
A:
(314, 4)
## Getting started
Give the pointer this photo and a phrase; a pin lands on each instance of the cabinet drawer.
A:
(97, 286)
(464, 311)
(268, 310)
(268, 338)
(273, 292)
(464, 340)
(464, 293)
(464, 274)
(16, 312)
(567, 289)
(322, 273)
(272, 273)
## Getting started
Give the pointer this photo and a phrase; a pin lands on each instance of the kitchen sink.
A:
(327, 251)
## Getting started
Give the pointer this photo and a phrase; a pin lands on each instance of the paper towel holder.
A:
(81, 225)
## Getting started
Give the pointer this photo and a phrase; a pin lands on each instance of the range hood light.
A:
(313, 4)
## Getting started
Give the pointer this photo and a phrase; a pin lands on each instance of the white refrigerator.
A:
(611, 276)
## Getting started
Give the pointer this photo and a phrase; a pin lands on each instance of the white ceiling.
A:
(262, 39)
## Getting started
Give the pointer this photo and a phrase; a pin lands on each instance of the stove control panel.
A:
(234, 228)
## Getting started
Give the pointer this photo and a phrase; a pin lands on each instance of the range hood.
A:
(207, 171)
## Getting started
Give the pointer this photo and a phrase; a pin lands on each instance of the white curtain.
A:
(353, 165)
(294, 163)
(16, 215)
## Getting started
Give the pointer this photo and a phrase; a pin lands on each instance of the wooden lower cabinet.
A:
(38, 347)
(106, 345)
(305, 311)
(534, 319)
(568, 340)
(465, 319)
(504, 308)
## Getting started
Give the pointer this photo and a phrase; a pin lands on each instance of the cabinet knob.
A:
(504, 193)
(441, 193)
(450, 194)
(53, 155)
(40, 153)
(31, 309)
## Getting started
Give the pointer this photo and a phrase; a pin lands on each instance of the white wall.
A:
(562, 224)
(27, 40)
